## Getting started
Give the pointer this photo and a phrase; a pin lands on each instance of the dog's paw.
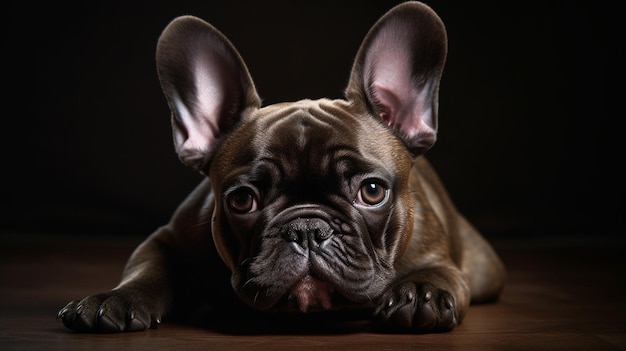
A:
(114, 311)
(416, 307)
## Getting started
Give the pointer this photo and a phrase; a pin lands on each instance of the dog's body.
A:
(308, 206)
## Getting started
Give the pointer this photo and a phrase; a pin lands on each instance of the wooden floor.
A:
(561, 295)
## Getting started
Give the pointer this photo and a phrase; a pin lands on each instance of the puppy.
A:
(314, 205)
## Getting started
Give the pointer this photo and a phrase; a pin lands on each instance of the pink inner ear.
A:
(215, 83)
(385, 102)
(401, 101)
(405, 111)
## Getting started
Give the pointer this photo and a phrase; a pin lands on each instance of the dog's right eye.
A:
(372, 194)
(242, 201)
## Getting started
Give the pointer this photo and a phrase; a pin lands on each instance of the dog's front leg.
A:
(137, 303)
(434, 298)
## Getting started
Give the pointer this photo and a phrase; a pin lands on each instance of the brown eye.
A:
(242, 201)
(372, 193)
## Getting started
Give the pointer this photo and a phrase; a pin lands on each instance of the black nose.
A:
(313, 232)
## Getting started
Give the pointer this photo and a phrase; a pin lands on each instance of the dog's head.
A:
(312, 206)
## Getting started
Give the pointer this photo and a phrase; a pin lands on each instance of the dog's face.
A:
(312, 206)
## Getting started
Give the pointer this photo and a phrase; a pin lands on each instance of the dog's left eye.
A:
(372, 193)
(242, 201)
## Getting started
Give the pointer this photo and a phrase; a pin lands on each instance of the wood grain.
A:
(561, 295)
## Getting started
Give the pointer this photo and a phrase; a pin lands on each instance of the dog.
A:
(307, 206)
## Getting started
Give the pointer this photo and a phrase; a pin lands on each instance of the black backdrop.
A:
(530, 139)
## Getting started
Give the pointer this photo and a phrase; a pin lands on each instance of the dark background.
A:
(531, 117)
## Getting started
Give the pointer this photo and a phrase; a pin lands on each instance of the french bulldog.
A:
(307, 206)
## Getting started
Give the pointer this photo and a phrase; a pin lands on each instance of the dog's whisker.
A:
(256, 296)
(247, 282)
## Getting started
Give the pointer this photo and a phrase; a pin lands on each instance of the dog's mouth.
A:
(306, 261)
(308, 294)
(311, 294)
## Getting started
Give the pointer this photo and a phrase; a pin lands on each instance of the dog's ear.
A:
(207, 86)
(397, 71)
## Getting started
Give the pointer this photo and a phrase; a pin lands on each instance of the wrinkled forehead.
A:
(305, 127)
(309, 135)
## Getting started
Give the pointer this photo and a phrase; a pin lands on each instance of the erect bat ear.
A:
(207, 86)
(397, 71)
